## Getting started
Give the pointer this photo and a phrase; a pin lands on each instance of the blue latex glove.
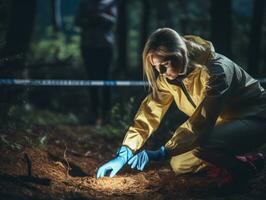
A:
(116, 164)
(140, 160)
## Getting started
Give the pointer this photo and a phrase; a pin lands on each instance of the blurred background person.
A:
(97, 18)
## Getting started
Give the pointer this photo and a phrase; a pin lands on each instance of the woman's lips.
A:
(171, 77)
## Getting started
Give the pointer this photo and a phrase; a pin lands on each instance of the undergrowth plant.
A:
(121, 117)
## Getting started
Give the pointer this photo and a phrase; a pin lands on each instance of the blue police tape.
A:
(48, 82)
(86, 83)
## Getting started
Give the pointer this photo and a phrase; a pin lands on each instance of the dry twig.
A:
(65, 158)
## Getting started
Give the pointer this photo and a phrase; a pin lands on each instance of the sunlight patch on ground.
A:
(119, 184)
(116, 183)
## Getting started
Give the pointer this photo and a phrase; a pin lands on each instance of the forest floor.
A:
(62, 164)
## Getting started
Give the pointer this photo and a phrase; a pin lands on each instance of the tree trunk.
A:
(4, 5)
(122, 37)
(19, 31)
(145, 21)
(163, 14)
(146, 8)
(255, 37)
(56, 15)
(184, 21)
(221, 26)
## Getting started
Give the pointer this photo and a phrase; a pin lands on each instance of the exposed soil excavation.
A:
(65, 168)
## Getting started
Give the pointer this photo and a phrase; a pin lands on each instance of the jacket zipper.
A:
(183, 87)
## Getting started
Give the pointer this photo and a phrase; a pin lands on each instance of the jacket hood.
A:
(200, 51)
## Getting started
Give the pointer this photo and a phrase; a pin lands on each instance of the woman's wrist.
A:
(160, 154)
(125, 153)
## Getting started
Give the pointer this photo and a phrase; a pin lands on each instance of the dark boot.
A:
(232, 172)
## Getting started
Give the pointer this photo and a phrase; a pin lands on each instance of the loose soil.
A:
(64, 167)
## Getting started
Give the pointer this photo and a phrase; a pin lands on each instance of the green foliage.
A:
(121, 117)
(55, 47)
(50, 46)
(40, 141)
(23, 116)
(9, 144)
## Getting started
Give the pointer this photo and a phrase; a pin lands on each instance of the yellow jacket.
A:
(217, 90)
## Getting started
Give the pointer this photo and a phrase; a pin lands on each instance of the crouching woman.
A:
(225, 105)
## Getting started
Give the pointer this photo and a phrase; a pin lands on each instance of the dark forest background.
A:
(39, 40)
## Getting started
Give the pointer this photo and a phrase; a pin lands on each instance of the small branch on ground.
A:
(65, 158)
(29, 164)
(29, 177)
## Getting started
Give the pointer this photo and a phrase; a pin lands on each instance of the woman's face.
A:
(167, 66)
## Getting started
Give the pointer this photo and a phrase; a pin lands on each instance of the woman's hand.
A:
(116, 164)
(141, 159)
(113, 166)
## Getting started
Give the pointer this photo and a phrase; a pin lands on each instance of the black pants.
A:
(97, 62)
(230, 139)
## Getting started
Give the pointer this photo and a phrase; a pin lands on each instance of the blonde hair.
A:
(165, 42)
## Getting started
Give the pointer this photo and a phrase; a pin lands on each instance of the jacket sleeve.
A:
(217, 88)
(148, 117)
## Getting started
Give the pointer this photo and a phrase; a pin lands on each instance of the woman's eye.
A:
(162, 69)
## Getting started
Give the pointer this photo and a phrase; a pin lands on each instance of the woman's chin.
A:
(171, 77)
